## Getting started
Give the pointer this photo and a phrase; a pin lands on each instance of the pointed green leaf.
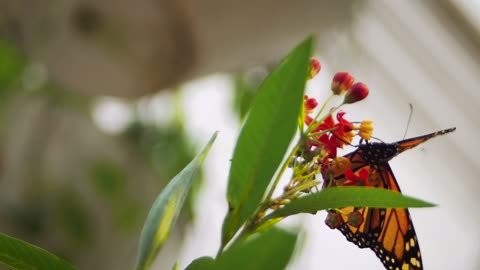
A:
(271, 250)
(18, 254)
(337, 197)
(265, 136)
(165, 210)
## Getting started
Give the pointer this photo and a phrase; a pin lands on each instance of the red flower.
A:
(325, 166)
(309, 104)
(330, 145)
(342, 126)
(359, 178)
(343, 123)
(342, 81)
(328, 123)
(314, 68)
(358, 92)
(339, 134)
(308, 120)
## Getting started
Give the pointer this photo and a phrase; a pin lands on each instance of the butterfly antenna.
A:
(378, 139)
(409, 119)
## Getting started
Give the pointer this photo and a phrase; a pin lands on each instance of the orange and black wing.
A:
(412, 142)
(388, 232)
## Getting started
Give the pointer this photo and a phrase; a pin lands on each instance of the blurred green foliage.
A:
(245, 85)
(108, 180)
(29, 217)
(73, 217)
(11, 66)
(168, 149)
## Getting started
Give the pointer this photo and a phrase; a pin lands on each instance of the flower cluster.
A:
(324, 133)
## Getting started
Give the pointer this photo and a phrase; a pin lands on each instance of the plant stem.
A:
(292, 191)
(282, 170)
(319, 121)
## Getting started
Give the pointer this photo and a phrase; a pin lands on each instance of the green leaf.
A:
(18, 254)
(201, 263)
(271, 250)
(265, 136)
(165, 210)
(336, 197)
(11, 66)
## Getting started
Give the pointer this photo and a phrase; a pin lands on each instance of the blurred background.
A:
(102, 102)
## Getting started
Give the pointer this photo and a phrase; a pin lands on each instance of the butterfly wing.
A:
(412, 142)
(388, 232)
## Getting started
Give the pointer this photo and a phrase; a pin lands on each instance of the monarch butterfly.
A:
(388, 232)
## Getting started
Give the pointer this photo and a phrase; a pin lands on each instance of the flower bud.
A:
(340, 165)
(355, 219)
(333, 220)
(342, 81)
(358, 92)
(309, 104)
(314, 68)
